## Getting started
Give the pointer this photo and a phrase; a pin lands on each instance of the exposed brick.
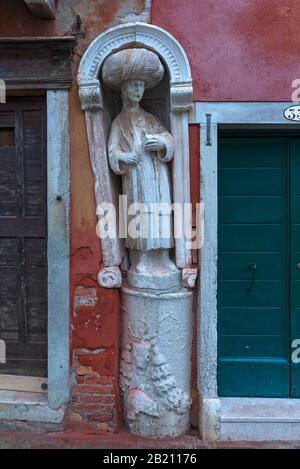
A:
(80, 379)
(86, 370)
(90, 389)
(74, 417)
(91, 380)
(107, 399)
(98, 379)
(90, 408)
(100, 399)
(106, 427)
(100, 417)
(109, 407)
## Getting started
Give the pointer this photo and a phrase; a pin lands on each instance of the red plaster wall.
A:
(94, 311)
(239, 50)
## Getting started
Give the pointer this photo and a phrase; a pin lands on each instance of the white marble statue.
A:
(139, 150)
(156, 312)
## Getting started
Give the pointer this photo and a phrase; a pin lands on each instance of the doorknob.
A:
(298, 265)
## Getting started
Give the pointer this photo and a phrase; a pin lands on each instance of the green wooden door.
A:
(295, 264)
(258, 278)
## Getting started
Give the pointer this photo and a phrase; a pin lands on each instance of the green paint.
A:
(259, 226)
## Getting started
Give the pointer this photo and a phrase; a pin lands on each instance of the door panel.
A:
(255, 153)
(243, 209)
(267, 320)
(233, 293)
(23, 228)
(248, 379)
(253, 318)
(268, 181)
(295, 259)
(252, 238)
(295, 381)
(254, 346)
(232, 265)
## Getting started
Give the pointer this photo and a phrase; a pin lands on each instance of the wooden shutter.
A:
(23, 237)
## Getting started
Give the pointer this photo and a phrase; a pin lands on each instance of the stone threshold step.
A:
(256, 419)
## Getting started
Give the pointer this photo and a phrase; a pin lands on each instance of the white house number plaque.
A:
(292, 113)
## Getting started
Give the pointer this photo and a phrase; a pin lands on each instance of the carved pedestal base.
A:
(164, 280)
(153, 270)
(156, 361)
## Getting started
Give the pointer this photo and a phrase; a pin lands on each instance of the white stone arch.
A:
(181, 93)
(153, 38)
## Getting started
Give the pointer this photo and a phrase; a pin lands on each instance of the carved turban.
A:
(132, 64)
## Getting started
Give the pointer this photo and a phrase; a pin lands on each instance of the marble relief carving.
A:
(148, 383)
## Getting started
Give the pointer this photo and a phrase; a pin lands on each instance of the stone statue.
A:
(156, 311)
(139, 150)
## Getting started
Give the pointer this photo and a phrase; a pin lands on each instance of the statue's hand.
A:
(129, 158)
(155, 144)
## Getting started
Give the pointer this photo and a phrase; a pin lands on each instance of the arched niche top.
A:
(130, 35)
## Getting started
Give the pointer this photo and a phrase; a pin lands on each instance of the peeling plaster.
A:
(143, 15)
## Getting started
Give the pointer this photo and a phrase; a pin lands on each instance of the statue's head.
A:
(132, 91)
(132, 71)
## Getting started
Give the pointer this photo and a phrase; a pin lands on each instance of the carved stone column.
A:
(155, 365)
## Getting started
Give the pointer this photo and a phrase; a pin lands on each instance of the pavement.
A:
(70, 439)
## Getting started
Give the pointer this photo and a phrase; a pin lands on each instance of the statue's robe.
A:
(149, 181)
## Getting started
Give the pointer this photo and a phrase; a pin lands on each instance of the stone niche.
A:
(155, 368)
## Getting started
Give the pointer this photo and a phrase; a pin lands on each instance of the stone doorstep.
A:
(260, 419)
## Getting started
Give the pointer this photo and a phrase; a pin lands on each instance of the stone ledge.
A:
(260, 419)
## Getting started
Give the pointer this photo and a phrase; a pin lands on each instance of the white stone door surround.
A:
(51, 406)
(231, 418)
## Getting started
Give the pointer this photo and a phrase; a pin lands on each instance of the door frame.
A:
(50, 407)
(230, 418)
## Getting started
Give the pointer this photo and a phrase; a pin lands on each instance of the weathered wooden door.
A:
(23, 243)
(258, 271)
